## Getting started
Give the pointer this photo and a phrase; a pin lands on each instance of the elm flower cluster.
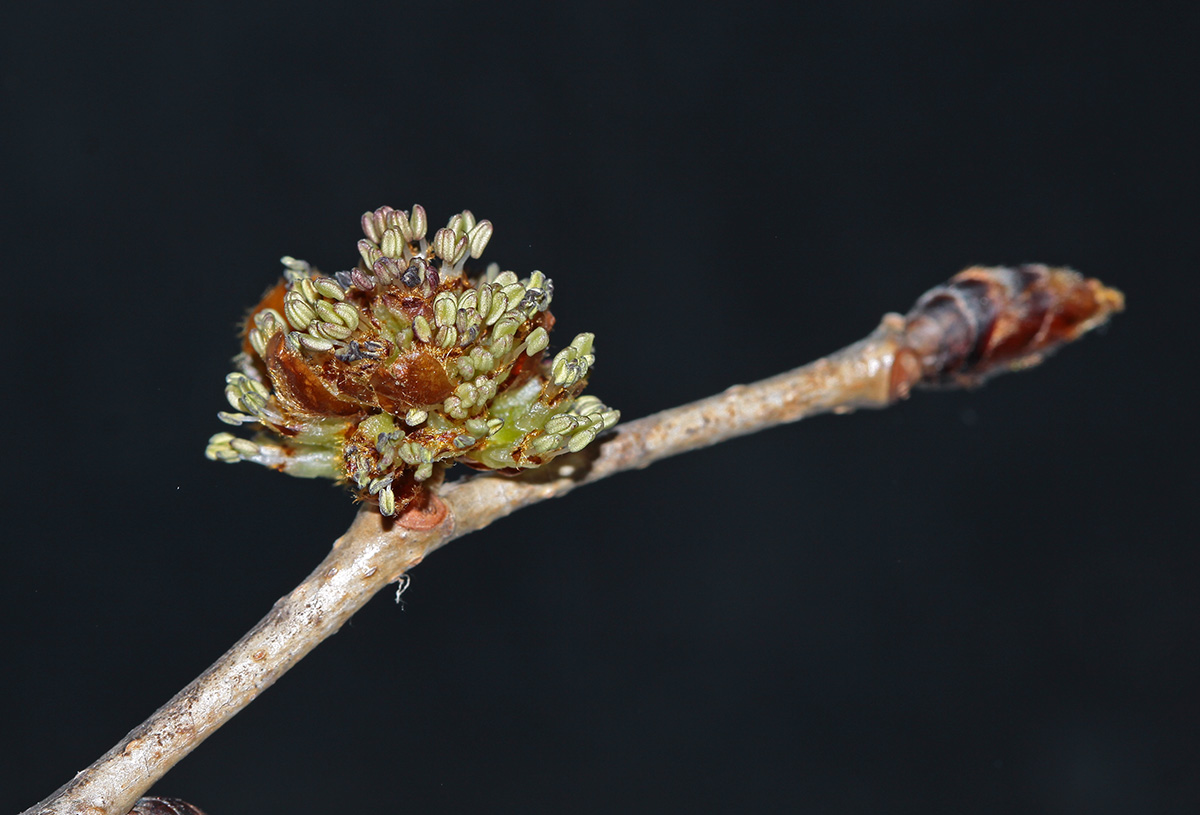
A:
(382, 375)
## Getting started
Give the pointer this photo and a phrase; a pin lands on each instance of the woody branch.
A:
(983, 322)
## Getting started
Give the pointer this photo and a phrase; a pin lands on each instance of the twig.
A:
(375, 551)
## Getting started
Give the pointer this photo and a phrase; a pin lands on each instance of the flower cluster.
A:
(381, 375)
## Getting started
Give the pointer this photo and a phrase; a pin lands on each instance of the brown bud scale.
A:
(987, 320)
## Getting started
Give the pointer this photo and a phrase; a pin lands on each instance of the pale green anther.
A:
(468, 220)
(505, 279)
(583, 343)
(307, 290)
(499, 306)
(464, 441)
(216, 452)
(380, 219)
(423, 472)
(219, 450)
(451, 404)
(502, 347)
(369, 253)
(234, 419)
(372, 426)
(415, 416)
(455, 224)
(443, 243)
(392, 243)
(348, 314)
(460, 250)
(482, 359)
(468, 325)
(507, 325)
(294, 296)
(494, 424)
(316, 343)
(447, 336)
(253, 402)
(467, 318)
(469, 299)
(422, 328)
(586, 405)
(477, 427)
(563, 423)
(257, 387)
(445, 308)
(399, 220)
(328, 287)
(563, 357)
(244, 447)
(325, 311)
(223, 437)
(408, 453)
(581, 439)
(298, 312)
(464, 367)
(487, 390)
(233, 395)
(545, 443)
(563, 375)
(335, 331)
(611, 417)
(537, 341)
(257, 341)
(467, 393)
(268, 319)
(370, 227)
(478, 237)
(513, 293)
(377, 484)
(292, 264)
(419, 222)
(387, 501)
(485, 300)
(537, 280)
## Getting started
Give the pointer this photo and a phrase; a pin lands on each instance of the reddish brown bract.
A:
(986, 320)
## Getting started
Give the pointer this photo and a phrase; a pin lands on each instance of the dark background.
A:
(972, 602)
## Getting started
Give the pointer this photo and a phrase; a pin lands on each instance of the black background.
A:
(972, 602)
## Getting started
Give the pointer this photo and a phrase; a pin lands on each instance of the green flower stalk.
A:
(382, 375)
